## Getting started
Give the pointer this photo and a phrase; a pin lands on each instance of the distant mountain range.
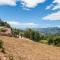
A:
(49, 30)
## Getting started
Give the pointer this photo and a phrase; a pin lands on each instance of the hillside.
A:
(25, 49)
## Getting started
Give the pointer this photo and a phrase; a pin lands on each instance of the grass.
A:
(44, 41)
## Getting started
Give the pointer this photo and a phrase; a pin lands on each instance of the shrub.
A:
(32, 34)
(2, 47)
(54, 41)
(50, 41)
(36, 36)
(1, 44)
(15, 32)
(57, 42)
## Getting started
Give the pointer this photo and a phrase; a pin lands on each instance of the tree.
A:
(54, 41)
(57, 41)
(32, 34)
(50, 41)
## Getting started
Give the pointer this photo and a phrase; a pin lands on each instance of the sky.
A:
(31, 13)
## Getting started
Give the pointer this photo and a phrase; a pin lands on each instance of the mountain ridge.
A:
(49, 30)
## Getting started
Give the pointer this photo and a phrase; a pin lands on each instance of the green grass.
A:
(44, 41)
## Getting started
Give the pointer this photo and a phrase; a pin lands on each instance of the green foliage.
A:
(50, 41)
(2, 47)
(1, 44)
(44, 41)
(54, 41)
(57, 41)
(15, 31)
(36, 36)
(33, 35)
(2, 23)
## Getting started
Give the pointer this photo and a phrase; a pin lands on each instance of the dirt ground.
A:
(25, 49)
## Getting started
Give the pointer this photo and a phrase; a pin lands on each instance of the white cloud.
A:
(56, 1)
(19, 24)
(55, 7)
(54, 16)
(31, 3)
(58, 4)
(49, 7)
(25, 3)
(8, 2)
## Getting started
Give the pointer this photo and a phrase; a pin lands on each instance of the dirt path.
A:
(24, 49)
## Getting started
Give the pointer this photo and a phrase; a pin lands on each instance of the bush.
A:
(57, 42)
(50, 41)
(1, 44)
(36, 36)
(15, 32)
(32, 34)
(2, 47)
(54, 41)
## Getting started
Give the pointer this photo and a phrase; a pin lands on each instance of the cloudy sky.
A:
(31, 13)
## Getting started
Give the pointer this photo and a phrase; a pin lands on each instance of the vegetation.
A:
(33, 35)
(15, 31)
(2, 49)
(2, 23)
(51, 39)
(1, 44)
(54, 41)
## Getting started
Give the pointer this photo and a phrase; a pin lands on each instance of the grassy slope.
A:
(23, 49)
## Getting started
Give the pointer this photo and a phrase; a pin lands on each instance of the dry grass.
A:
(23, 49)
